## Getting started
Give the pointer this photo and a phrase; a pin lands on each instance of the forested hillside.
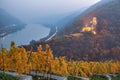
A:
(105, 45)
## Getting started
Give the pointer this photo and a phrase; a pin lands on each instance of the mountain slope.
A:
(8, 23)
(105, 45)
(107, 10)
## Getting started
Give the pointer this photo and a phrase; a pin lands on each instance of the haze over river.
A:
(24, 36)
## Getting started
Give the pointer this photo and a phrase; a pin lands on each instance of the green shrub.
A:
(99, 77)
(6, 77)
(117, 77)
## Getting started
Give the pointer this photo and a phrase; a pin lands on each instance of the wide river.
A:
(24, 36)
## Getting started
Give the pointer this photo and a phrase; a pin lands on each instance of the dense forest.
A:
(88, 47)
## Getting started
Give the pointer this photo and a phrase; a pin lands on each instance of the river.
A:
(24, 36)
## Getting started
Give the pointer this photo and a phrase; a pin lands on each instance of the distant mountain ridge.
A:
(83, 17)
(8, 23)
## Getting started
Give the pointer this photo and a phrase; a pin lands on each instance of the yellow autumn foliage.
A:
(16, 59)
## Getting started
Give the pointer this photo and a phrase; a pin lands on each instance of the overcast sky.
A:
(43, 8)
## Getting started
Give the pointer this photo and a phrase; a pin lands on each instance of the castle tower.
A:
(94, 21)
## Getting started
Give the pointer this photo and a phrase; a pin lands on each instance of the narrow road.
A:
(52, 35)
